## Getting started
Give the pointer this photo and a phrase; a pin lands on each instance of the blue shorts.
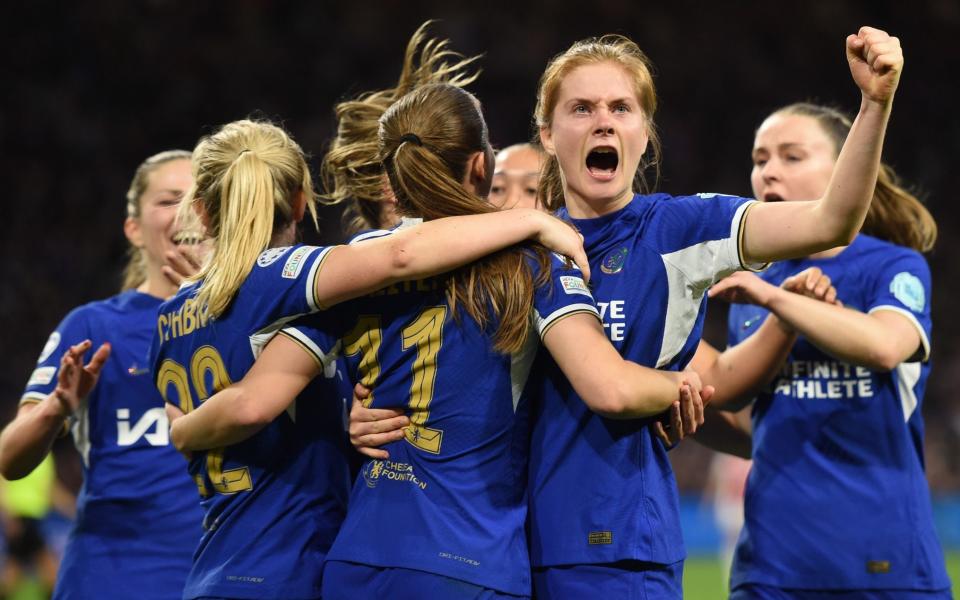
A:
(754, 591)
(353, 581)
(623, 580)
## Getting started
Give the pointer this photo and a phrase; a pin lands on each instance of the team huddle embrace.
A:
(475, 396)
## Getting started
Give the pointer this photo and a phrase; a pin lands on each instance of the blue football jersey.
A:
(451, 499)
(603, 490)
(272, 503)
(837, 497)
(137, 516)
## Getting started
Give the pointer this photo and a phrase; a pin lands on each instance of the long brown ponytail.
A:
(351, 168)
(426, 141)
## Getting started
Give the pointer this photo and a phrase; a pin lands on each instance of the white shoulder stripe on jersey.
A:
(520, 365)
(312, 279)
(259, 339)
(908, 374)
(737, 230)
(543, 324)
(326, 360)
(369, 235)
(924, 341)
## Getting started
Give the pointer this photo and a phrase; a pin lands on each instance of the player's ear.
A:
(131, 229)
(299, 206)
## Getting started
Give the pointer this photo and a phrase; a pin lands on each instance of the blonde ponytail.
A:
(246, 178)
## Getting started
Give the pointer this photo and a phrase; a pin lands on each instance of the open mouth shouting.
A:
(602, 162)
(771, 197)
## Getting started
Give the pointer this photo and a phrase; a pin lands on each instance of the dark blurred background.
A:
(92, 88)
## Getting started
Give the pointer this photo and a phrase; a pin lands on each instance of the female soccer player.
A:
(445, 515)
(274, 501)
(515, 177)
(853, 518)
(653, 258)
(136, 516)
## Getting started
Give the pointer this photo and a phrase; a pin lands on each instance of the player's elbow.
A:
(249, 414)
(883, 359)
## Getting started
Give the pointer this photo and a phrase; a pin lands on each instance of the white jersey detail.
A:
(907, 376)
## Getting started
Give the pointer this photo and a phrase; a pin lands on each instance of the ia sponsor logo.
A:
(152, 427)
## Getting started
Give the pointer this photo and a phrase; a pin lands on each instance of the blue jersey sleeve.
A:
(72, 330)
(902, 284)
(319, 336)
(566, 294)
(702, 236)
(289, 275)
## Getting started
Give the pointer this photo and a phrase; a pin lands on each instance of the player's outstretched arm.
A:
(236, 413)
(438, 246)
(25, 442)
(611, 386)
(774, 231)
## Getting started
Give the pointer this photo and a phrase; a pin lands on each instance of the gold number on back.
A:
(426, 335)
(206, 360)
(365, 339)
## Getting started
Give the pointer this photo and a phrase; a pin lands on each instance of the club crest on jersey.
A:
(52, 342)
(270, 256)
(614, 261)
(907, 288)
(294, 264)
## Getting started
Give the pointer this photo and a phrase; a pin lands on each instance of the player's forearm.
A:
(422, 251)
(844, 206)
(225, 419)
(631, 391)
(740, 371)
(844, 333)
(27, 440)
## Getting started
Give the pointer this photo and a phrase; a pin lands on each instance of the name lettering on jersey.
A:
(824, 380)
(377, 470)
(155, 419)
(187, 319)
(614, 317)
(407, 287)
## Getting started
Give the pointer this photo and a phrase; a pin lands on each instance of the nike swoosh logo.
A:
(135, 370)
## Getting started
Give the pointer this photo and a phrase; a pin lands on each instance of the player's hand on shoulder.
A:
(876, 61)
(561, 237)
(371, 428)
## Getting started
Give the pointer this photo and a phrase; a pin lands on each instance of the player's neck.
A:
(580, 207)
(286, 236)
(157, 284)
